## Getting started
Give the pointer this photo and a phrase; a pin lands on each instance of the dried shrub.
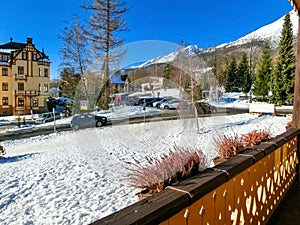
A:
(158, 173)
(255, 137)
(228, 146)
(289, 125)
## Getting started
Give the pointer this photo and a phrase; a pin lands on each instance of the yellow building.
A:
(24, 78)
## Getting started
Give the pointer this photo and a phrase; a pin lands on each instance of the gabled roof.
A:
(13, 46)
(116, 79)
(18, 47)
(43, 56)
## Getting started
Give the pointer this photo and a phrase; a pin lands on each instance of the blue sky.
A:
(200, 22)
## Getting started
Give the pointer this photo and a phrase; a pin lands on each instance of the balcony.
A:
(27, 93)
(20, 77)
(246, 189)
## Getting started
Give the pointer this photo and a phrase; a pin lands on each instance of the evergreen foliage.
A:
(264, 72)
(69, 82)
(166, 74)
(232, 83)
(284, 70)
(243, 74)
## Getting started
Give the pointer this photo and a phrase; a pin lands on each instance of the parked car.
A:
(158, 103)
(171, 104)
(47, 117)
(205, 108)
(87, 120)
(148, 101)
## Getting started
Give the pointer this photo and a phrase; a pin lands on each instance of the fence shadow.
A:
(17, 158)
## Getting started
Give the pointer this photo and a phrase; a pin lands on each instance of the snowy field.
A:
(78, 177)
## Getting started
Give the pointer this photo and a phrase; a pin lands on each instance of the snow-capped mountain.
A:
(187, 51)
(271, 32)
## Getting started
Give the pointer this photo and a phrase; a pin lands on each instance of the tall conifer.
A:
(284, 71)
(264, 72)
(231, 84)
(243, 74)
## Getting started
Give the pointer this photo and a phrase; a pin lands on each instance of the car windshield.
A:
(44, 115)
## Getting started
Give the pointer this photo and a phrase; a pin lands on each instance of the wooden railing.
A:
(245, 189)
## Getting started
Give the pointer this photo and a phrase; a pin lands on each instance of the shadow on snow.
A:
(17, 158)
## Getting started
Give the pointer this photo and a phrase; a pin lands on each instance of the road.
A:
(166, 115)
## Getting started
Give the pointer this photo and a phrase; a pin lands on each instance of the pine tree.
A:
(284, 71)
(243, 74)
(69, 82)
(264, 72)
(231, 84)
(104, 23)
(166, 74)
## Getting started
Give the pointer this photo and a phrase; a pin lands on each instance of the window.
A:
(20, 101)
(35, 102)
(4, 58)
(34, 57)
(20, 69)
(46, 72)
(20, 86)
(4, 72)
(45, 87)
(4, 100)
(40, 72)
(40, 88)
(4, 86)
(24, 55)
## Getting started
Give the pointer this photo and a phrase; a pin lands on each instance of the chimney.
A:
(29, 40)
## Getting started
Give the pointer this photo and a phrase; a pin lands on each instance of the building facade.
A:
(24, 78)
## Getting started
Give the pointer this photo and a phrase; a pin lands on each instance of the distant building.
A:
(120, 83)
(25, 78)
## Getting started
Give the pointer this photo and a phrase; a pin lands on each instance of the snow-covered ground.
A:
(78, 177)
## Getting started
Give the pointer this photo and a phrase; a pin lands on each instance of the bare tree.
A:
(74, 56)
(104, 23)
(74, 50)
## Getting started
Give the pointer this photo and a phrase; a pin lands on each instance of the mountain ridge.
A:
(271, 32)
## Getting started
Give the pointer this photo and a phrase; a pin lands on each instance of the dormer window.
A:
(4, 58)
(24, 55)
(34, 57)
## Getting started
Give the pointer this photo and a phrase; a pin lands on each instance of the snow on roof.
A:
(116, 79)
(6, 50)
(4, 63)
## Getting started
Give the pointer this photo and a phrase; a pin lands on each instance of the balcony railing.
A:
(27, 93)
(245, 189)
(20, 77)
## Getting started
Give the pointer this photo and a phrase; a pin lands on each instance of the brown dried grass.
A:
(255, 137)
(158, 173)
(228, 146)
